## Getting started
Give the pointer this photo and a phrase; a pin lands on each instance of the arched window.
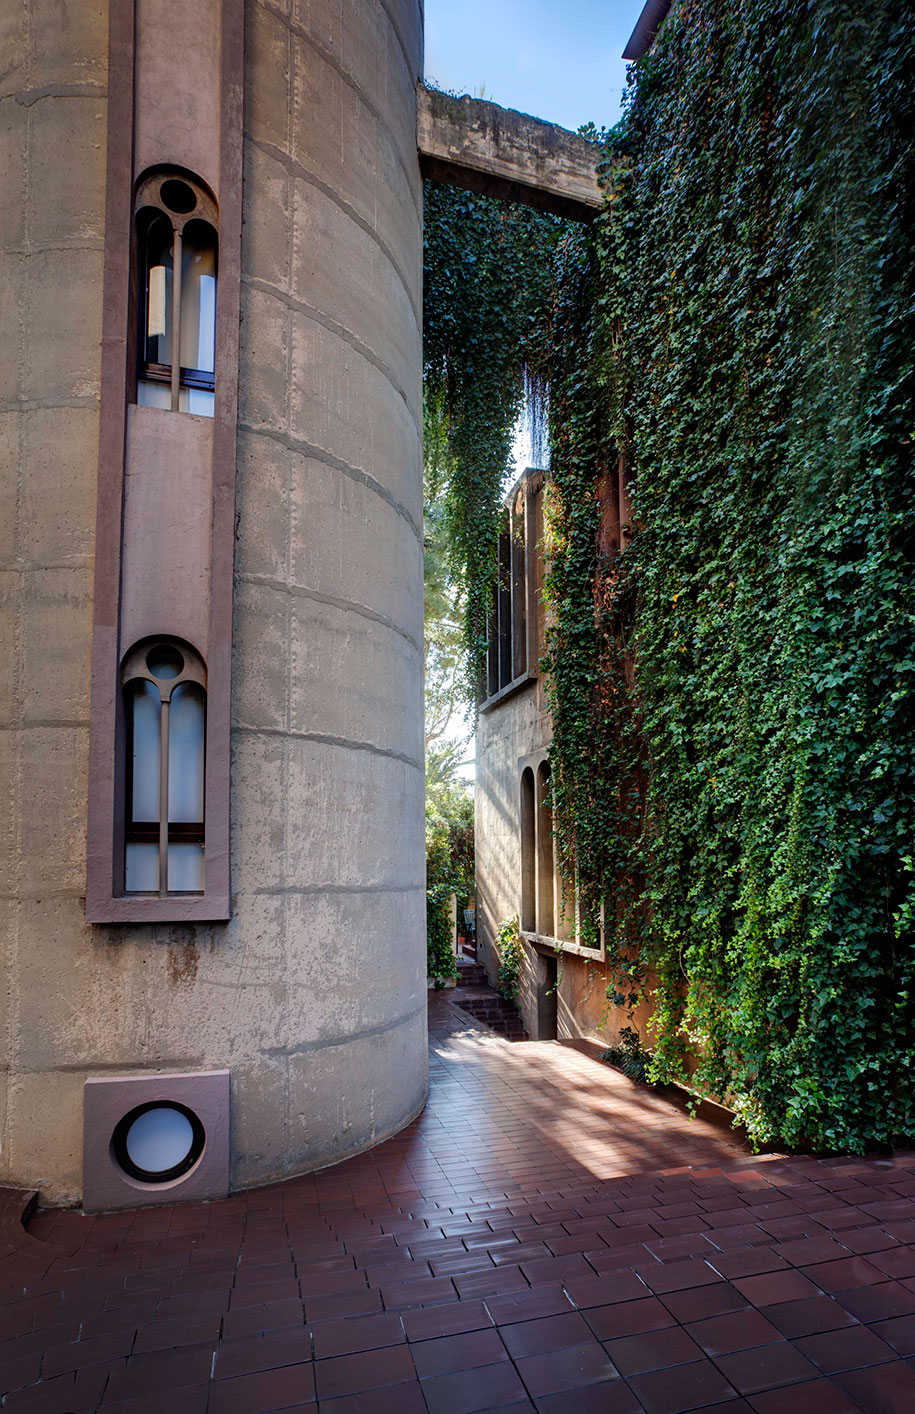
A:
(176, 300)
(164, 684)
(545, 869)
(554, 908)
(528, 852)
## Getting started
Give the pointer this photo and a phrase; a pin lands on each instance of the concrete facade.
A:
(313, 994)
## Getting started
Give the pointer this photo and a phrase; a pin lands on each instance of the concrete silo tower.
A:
(211, 549)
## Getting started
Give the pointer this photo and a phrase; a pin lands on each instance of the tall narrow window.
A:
(518, 594)
(528, 852)
(178, 253)
(504, 603)
(164, 684)
(511, 658)
(545, 870)
(554, 909)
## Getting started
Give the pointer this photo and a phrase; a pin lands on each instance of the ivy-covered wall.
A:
(732, 695)
(750, 330)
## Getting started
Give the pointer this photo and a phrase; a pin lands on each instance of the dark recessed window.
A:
(550, 905)
(511, 629)
(528, 853)
(158, 1141)
(177, 248)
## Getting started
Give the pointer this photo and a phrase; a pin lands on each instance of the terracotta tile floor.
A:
(546, 1236)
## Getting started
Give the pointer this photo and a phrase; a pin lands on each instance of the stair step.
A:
(496, 1013)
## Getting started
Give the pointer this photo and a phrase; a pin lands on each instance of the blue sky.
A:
(559, 61)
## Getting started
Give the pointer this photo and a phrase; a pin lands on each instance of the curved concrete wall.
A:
(314, 994)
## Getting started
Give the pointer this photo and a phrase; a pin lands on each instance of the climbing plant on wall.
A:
(752, 338)
(486, 301)
(734, 737)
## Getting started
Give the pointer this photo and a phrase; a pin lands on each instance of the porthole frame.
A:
(155, 1178)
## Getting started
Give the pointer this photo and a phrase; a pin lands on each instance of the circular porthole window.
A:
(158, 1142)
(164, 661)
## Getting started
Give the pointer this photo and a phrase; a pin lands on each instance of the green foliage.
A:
(511, 957)
(629, 1056)
(484, 313)
(732, 694)
(449, 856)
(751, 341)
(443, 640)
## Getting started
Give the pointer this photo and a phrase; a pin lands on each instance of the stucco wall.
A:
(314, 994)
(515, 729)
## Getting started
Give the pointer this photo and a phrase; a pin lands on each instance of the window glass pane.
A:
(158, 293)
(142, 875)
(159, 1139)
(196, 400)
(185, 868)
(186, 738)
(154, 395)
(145, 709)
(198, 296)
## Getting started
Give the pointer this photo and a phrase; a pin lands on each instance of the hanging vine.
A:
(486, 307)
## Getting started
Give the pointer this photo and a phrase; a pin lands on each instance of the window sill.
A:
(152, 908)
(553, 945)
(516, 685)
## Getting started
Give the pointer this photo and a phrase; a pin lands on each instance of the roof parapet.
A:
(468, 142)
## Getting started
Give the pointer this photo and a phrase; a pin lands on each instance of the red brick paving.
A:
(545, 1237)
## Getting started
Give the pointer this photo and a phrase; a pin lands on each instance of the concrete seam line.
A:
(131, 1067)
(88, 400)
(43, 247)
(310, 311)
(392, 20)
(298, 169)
(349, 78)
(77, 894)
(316, 890)
(308, 449)
(25, 725)
(298, 591)
(324, 739)
(89, 89)
(23, 566)
(304, 1047)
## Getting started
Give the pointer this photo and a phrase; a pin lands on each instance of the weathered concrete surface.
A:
(52, 111)
(313, 995)
(499, 152)
(328, 606)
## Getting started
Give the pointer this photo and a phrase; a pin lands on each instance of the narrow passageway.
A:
(545, 1236)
